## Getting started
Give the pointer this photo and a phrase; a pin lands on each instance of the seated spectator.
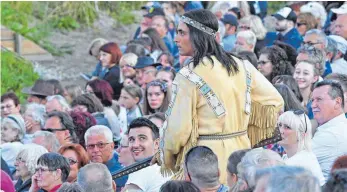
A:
(290, 51)
(82, 122)
(330, 140)
(201, 168)
(12, 132)
(70, 187)
(124, 154)
(157, 118)
(337, 181)
(34, 117)
(99, 144)
(342, 79)
(137, 49)
(157, 97)
(39, 92)
(58, 88)
(245, 41)
(229, 39)
(166, 74)
(9, 104)
(161, 24)
(287, 179)
(103, 91)
(339, 25)
(253, 160)
(317, 39)
(166, 59)
(144, 143)
(46, 139)
(179, 186)
(273, 61)
(305, 22)
(127, 63)
(340, 163)
(91, 104)
(145, 70)
(285, 27)
(131, 95)
(339, 64)
(51, 172)
(254, 23)
(110, 55)
(57, 103)
(26, 165)
(62, 126)
(94, 50)
(96, 177)
(290, 82)
(290, 100)
(233, 161)
(296, 139)
(317, 10)
(72, 91)
(77, 157)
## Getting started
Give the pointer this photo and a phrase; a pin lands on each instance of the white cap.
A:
(341, 43)
(340, 10)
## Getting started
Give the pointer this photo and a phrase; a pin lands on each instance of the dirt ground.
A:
(67, 68)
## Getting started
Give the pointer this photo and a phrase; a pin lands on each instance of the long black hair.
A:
(205, 45)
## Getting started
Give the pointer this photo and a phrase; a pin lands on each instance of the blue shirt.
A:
(328, 69)
(309, 110)
(99, 71)
(113, 165)
(292, 38)
(229, 42)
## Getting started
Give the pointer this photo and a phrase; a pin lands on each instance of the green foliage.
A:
(65, 23)
(16, 73)
(274, 6)
(121, 10)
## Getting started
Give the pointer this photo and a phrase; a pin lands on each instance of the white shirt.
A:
(339, 66)
(307, 160)
(330, 142)
(148, 179)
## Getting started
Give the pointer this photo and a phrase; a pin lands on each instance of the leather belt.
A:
(222, 137)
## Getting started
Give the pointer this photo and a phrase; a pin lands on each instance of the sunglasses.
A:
(53, 130)
(72, 161)
(299, 24)
(300, 112)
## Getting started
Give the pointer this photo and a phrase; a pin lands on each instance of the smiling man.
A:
(330, 140)
(99, 144)
(144, 143)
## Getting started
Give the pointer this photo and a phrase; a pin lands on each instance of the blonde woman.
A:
(126, 64)
(254, 23)
(295, 128)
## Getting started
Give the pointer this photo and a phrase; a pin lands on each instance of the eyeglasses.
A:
(99, 145)
(40, 170)
(310, 43)
(126, 65)
(53, 130)
(262, 62)
(300, 112)
(20, 160)
(299, 24)
(244, 27)
(72, 161)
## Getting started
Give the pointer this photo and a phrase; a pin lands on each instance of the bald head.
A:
(341, 26)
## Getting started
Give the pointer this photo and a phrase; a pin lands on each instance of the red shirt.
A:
(54, 189)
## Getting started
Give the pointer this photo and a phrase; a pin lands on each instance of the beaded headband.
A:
(198, 25)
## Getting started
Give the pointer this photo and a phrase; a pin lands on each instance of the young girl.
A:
(129, 99)
(157, 97)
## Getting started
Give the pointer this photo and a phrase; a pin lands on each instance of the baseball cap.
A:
(154, 11)
(341, 43)
(230, 19)
(145, 61)
(285, 13)
(340, 10)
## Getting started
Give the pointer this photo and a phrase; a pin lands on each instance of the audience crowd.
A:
(75, 138)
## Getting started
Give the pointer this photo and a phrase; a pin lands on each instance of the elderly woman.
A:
(273, 61)
(34, 117)
(51, 172)
(77, 157)
(26, 164)
(295, 129)
(9, 104)
(12, 132)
